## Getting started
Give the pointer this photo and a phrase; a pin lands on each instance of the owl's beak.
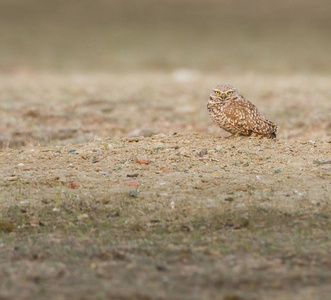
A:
(223, 96)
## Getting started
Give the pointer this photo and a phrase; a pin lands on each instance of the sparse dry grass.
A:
(140, 249)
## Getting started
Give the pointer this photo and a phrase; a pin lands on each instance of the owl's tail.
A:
(272, 135)
(273, 131)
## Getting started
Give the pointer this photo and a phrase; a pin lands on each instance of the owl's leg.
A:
(232, 136)
(254, 134)
(269, 136)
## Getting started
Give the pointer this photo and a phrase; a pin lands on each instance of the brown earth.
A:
(100, 199)
(121, 187)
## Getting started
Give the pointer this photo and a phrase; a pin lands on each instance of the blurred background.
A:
(74, 70)
(126, 35)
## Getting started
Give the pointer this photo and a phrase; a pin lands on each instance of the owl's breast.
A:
(216, 112)
(215, 108)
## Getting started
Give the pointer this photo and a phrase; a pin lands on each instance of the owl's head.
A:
(223, 92)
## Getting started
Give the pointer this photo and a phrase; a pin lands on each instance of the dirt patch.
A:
(115, 183)
(160, 216)
(60, 109)
(177, 166)
(121, 187)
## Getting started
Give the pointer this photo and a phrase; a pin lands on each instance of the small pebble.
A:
(83, 216)
(143, 161)
(113, 215)
(12, 178)
(229, 199)
(131, 183)
(133, 194)
(187, 227)
(161, 268)
(72, 185)
(132, 175)
(165, 169)
(203, 152)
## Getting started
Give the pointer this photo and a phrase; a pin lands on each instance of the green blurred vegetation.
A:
(131, 35)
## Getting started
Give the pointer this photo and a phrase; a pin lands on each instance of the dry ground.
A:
(99, 198)
(58, 109)
(120, 187)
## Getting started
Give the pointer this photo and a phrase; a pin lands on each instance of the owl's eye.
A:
(217, 92)
(230, 92)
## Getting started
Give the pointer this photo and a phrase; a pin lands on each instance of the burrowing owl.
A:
(232, 112)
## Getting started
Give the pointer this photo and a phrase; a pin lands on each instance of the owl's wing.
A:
(246, 118)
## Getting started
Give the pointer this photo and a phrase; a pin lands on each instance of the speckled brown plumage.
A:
(232, 112)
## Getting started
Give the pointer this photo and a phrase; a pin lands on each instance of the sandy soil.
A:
(167, 119)
(58, 109)
(203, 168)
(113, 181)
